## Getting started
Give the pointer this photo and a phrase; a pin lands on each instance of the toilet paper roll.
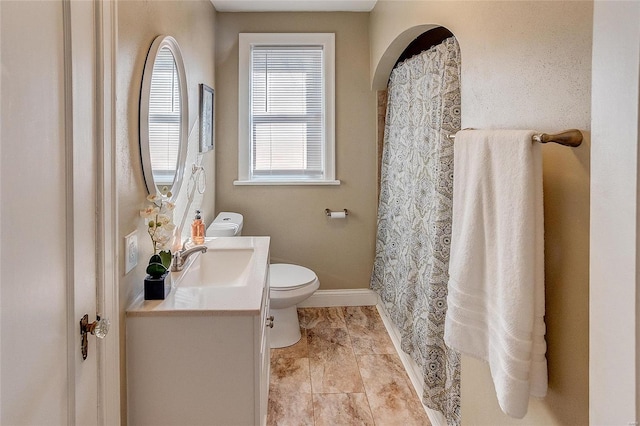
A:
(338, 215)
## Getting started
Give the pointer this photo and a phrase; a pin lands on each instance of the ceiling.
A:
(293, 5)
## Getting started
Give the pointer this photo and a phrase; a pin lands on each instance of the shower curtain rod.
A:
(572, 137)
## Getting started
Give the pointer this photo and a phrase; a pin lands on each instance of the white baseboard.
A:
(347, 297)
(412, 368)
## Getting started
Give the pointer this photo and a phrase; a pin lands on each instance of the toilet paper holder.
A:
(328, 212)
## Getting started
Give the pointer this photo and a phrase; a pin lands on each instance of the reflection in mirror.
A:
(163, 117)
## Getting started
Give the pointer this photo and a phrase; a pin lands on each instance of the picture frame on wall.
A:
(207, 122)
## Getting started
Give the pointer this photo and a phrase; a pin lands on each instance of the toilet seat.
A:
(284, 276)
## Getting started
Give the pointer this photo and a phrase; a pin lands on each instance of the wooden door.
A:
(54, 250)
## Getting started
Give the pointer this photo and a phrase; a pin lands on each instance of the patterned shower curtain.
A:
(414, 215)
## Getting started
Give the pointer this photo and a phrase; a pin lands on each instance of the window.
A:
(286, 109)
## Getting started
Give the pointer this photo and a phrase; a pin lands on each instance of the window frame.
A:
(246, 41)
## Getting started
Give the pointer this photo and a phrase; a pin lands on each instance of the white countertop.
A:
(213, 300)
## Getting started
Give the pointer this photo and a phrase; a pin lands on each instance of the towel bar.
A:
(572, 138)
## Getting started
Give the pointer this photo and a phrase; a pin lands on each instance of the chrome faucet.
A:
(180, 257)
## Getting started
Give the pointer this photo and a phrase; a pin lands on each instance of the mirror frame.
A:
(160, 42)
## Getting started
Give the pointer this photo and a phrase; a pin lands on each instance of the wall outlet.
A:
(130, 251)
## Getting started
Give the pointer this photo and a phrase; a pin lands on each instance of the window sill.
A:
(286, 182)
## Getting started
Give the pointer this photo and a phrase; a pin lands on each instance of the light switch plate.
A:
(130, 251)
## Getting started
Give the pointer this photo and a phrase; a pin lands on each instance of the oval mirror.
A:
(164, 115)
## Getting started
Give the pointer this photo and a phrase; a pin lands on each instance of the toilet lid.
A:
(285, 276)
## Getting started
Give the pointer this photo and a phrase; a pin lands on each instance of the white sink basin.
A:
(228, 279)
(218, 267)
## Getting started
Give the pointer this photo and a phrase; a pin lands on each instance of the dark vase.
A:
(157, 288)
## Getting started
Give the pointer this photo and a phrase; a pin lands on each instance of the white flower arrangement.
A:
(160, 226)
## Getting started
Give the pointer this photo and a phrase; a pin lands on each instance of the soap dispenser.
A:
(197, 229)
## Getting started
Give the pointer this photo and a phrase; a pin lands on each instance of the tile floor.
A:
(344, 371)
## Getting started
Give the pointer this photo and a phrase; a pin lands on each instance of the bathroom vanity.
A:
(201, 356)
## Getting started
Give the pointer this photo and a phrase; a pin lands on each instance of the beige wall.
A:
(192, 24)
(340, 252)
(524, 65)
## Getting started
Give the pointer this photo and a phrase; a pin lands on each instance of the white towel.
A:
(496, 272)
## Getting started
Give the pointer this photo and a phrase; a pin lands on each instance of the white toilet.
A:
(289, 285)
(226, 224)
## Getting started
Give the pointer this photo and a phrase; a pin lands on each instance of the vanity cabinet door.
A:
(192, 370)
(264, 359)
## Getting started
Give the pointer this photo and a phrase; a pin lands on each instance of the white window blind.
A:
(286, 107)
(287, 111)
(164, 118)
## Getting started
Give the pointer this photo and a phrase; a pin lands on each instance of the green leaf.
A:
(156, 270)
(155, 259)
(165, 255)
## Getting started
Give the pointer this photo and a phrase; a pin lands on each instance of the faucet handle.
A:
(175, 261)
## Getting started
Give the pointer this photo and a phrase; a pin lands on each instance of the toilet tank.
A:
(226, 224)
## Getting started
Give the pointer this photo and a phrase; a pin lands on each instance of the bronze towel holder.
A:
(572, 138)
